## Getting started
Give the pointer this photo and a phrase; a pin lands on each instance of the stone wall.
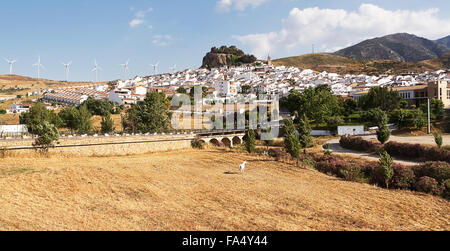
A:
(106, 146)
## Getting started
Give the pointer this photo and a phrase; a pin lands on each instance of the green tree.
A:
(404, 104)
(418, 119)
(69, 116)
(317, 104)
(409, 118)
(402, 118)
(304, 130)
(289, 127)
(84, 120)
(107, 124)
(47, 135)
(181, 90)
(37, 114)
(385, 170)
(350, 106)
(250, 141)
(291, 140)
(438, 139)
(149, 116)
(100, 107)
(436, 109)
(383, 133)
(380, 97)
(292, 144)
(372, 116)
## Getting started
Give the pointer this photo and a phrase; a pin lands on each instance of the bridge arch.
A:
(227, 142)
(215, 142)
(237, 140)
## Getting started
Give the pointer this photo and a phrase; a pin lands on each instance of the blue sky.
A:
(181, 31)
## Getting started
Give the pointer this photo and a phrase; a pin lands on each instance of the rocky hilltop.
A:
(213, 60)
(226, 56)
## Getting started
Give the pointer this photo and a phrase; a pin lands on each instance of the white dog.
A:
(242, 166)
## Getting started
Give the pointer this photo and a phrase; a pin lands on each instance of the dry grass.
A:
(96, 122)
(26, 84)
(9, 119)
(199, 190)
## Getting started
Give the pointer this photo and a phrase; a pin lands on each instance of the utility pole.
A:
(429, 117)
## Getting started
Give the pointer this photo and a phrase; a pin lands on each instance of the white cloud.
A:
(333, 29)
(240, 5)
(162, 40)
(139, 17)
(136, 22)
(143, 13)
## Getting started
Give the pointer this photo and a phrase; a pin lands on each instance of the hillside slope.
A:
(320, 62)
(396, 47)
(444, 41)
(20, 85)
(342, 65)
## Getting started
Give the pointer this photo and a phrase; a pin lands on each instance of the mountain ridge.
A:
(444, 41)
(341, 65)
(396, 47)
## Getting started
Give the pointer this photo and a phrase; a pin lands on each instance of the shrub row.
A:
(396, 149)
(417, 151)
(359, 144)
(430, 177)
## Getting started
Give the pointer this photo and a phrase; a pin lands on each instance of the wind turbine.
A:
(39, 65)
(96, 69)
(126, 69)
(10, 62)
(155, 68)
(67, 70)
(173, 68)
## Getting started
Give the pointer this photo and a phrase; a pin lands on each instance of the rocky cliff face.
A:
(214, 60)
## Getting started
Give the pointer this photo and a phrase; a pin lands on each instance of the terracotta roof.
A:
(399, 89)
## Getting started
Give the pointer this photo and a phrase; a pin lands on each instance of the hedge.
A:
(396, 149)
(359, 144)
(417, 151)
(437, 181)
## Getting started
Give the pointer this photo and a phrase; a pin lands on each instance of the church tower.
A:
(269, 60)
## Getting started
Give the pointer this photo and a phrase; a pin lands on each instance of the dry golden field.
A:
(9, 119)
(21, 85)
(199, 190)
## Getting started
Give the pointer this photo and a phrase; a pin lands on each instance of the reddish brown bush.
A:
(359, 144)
(417, 151)
(404, 177)
(439, 171)
(429, 185)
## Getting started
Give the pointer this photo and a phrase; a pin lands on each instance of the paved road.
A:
(425, 140)
(336, 148)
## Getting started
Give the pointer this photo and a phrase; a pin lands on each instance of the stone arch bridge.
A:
(228, 138)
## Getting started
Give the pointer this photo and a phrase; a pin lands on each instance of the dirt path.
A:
(200, 190)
